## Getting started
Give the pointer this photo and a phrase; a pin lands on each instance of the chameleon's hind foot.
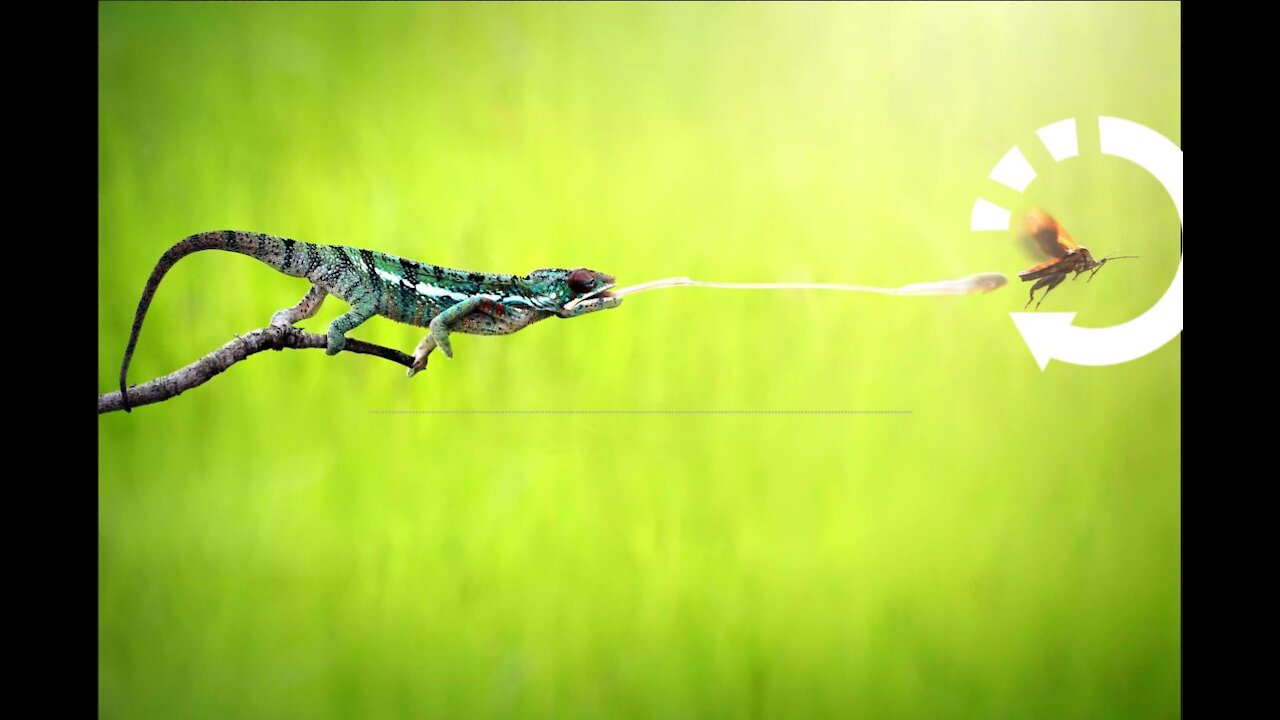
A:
(306, 308)
(335, 344)
(420, 354)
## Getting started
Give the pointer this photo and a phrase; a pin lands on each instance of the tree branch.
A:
(217, 362)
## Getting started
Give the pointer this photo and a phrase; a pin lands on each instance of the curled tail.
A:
(275, 251)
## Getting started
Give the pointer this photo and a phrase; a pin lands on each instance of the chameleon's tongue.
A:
(653, 285)
(973, 284)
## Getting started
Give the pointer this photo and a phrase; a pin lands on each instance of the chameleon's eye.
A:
(581, 280)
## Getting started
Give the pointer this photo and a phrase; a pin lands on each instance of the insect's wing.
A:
(1044, 236)
(1037, 271)
(1064, 240)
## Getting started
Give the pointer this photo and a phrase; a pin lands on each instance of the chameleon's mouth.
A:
(593, 295)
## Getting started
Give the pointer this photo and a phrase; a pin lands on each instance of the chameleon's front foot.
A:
(445, 346)
(451, 317)
(420, 354)
(440, 337)
(343, 324)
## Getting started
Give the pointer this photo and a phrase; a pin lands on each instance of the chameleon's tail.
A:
(275, 251)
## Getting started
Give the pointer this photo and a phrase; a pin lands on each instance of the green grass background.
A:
(270, 548)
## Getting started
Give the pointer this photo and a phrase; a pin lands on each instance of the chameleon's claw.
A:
(420, 355)
(419, 364)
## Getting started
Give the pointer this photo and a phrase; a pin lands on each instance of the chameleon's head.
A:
(569, 293)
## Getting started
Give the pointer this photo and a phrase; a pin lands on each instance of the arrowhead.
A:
(1041, 332)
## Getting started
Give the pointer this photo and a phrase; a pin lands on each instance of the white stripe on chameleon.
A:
(522, 300)
(436, 291)
(422, 288)
(433, 291)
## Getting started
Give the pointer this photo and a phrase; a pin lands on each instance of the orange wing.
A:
(1046, 234)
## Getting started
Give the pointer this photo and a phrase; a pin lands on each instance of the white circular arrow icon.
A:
(1051, 336)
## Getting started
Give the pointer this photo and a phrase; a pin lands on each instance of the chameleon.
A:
(442, 299)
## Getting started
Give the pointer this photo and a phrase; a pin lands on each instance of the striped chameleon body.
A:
(374, 283)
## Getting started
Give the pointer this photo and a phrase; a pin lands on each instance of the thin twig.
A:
(217, 362)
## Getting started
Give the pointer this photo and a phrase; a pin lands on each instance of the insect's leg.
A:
(449, 319)
(420, 354)
(307, 307)
(1038, 284)
(1053, 282)
(344, 323)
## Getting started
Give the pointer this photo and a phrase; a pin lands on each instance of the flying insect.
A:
(1066, 257)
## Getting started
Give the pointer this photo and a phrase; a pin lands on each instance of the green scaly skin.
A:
(373, 283)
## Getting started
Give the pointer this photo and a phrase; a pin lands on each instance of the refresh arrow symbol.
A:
(1051, 336)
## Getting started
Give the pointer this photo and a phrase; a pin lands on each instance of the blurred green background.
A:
(269, 547)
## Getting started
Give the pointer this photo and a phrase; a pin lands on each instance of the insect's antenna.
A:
(1110, 256)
